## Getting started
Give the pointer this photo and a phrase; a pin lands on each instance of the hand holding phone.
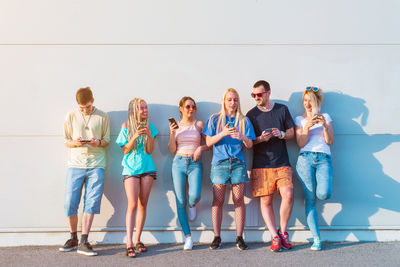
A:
(173, 123)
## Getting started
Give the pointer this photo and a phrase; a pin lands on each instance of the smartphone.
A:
(230, 124)
(172, 120)
(85, 141)
(268, 130)
(141, 125)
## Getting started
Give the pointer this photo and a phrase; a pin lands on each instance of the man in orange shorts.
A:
(273, 125)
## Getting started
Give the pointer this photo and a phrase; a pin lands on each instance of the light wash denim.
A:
(93, 179)
(186, 169)
(227, 171)
(315, 173)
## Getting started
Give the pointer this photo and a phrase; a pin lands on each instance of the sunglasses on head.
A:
(253, 95)
(190, 107)
(315, 89)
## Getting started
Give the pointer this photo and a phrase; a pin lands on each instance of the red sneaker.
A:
(276, 244)
(285, 240)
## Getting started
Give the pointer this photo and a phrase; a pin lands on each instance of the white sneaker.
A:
(188, 243)
(192, 213)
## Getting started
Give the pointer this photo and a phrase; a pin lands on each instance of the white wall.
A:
(163, 50)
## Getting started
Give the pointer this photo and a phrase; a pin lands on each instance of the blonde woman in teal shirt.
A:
(136, 138)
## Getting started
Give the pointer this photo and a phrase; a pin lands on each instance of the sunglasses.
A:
(253, 95)
(190, 107)
(315, 89)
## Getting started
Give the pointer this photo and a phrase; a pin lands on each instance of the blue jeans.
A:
(186, 168)
(93, 179)
(315, 173)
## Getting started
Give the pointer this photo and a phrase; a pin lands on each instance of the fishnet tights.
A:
(218, 202)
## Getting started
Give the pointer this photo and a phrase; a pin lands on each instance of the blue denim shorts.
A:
(93, 181)
(227, 171)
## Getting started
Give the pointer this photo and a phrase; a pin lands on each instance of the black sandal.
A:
(130, 252)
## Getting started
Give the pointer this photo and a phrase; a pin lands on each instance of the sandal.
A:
(130, 252)
(140, 247)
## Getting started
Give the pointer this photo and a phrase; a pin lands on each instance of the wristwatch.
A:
(282, 135)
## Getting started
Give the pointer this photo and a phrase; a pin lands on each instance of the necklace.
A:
(87, 122)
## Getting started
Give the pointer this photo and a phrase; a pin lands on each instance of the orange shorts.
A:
(264, 181)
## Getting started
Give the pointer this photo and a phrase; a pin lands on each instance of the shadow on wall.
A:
(161, 207)
(360, 187)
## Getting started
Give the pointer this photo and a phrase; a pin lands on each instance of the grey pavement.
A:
(333, 254)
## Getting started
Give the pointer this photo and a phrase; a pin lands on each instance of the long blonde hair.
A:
(239, 120)
(316, 99)
(134, 122)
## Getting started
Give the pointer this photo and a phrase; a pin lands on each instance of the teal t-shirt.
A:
(136, 161)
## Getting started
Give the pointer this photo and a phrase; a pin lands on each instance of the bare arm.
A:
(74, 143)
(328, 130)
(248, 143)
(150, 142)
(200, 126)
(328, 134)
(172, 138)
(289, 134)
(103, 143)
(301, 136)
(264, 137)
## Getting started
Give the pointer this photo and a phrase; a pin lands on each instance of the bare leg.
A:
(240, 209)
(132, 192)
(87, 220)
(216, 210)
(73, 223)
(145, 189)
(286, 207)
(267, 212)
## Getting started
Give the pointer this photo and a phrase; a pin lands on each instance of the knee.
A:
(142, 204)
(218, 202)
(287, 196)
(238, 201)
(264, 202)
(132, 206)
(323, 195)
(194, 200)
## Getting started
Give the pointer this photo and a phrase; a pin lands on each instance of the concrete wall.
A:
(163, 50)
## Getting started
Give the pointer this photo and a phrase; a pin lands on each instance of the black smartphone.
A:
(85, 141)
(268, 130)
(172, 120)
